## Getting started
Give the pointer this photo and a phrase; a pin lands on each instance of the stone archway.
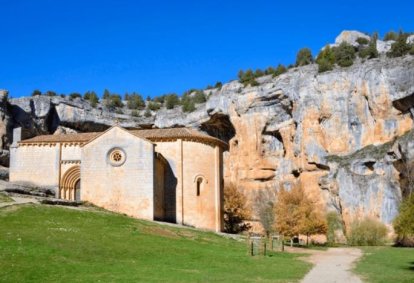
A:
(70, 184)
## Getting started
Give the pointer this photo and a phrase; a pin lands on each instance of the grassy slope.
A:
(387, 264)
(43, 243)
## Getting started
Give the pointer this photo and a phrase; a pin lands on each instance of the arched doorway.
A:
(70, 184)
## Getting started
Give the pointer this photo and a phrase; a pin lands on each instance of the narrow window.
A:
(199, 181)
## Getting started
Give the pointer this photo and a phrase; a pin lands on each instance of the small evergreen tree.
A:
(147, 113)
(334, 223)
(218, 85)
(280, 69)
(153, 106)
(304, 57)
(171, 100)
(344, 54)
(362, 41)
(50, 93)
(134, 101)
(74, 95)
(400, 47)
(36, 92)
(391, 35)
(199, 97)
(93, 99)
(371, 50)
(106, 94)
(325, 59)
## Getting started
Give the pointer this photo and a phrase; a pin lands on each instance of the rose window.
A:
(116, 157)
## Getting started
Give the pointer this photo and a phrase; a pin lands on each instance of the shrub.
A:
(74, 95)
(344, 54)
(147, 113)
(153, 106)
(199, 97)
(188, 105)
(280, 69)
(134, 113)
(235, 210)
(404, 222)
(371, 50)
(171, 100)
(160, 99)
(367, 232)
(119, 111)
(412, 50)
(334, 223)
(400, 47)
(391, 35)
(325, 59)
(106, 94)
(304, 57)
(92, 98)
(362, 41)
(36, 92)
(50, 93)
(247, 78)
(218, 85)
(114, 101)
(134, 101)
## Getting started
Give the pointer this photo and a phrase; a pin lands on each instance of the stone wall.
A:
(35, 164)
(128, 188)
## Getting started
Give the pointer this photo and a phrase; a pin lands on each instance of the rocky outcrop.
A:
(343, 135)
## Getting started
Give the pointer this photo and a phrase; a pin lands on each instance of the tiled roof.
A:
(151, 135)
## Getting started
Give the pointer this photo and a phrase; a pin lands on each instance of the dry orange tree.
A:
(235, 210)
(296, 214)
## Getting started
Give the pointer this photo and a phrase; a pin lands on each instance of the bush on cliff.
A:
(171, 100)
(367, 232)
(400, 47)
(304, 57)
(344, 54)
(370, 51)
(325, 59)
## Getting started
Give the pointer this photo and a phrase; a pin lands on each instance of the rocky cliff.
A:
(344, 135)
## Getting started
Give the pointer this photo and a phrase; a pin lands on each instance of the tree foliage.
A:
(297, 214)
(391, 35)
(171, 100)
(235, 210)
(247, 77)
(404, 222)
(134, 101)
(74, 95)
(264, 209)
(344, 54)
(36, 92)
(370, 51)
(333, 223)
(91, 97)
(400, 47)
(304, 57)
(325, 59)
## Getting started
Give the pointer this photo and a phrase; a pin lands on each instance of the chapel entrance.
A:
(77, 191)
(70, 184)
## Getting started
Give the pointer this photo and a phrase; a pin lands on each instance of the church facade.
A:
(173, 175)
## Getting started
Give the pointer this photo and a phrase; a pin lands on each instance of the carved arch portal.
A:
(70, 184)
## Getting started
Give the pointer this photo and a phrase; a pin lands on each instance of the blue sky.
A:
(157, 47)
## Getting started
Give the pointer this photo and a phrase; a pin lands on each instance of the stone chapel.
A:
(173, 175)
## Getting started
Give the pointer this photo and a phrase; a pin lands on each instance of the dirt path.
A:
(333, 266)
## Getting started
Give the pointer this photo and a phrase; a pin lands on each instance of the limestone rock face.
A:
(343, 135)
(350, 36)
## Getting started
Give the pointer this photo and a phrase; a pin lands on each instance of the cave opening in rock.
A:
(219, 126)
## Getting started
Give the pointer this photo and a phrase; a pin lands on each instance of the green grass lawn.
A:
(4, 198)
(387, 264)
(45, 243)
